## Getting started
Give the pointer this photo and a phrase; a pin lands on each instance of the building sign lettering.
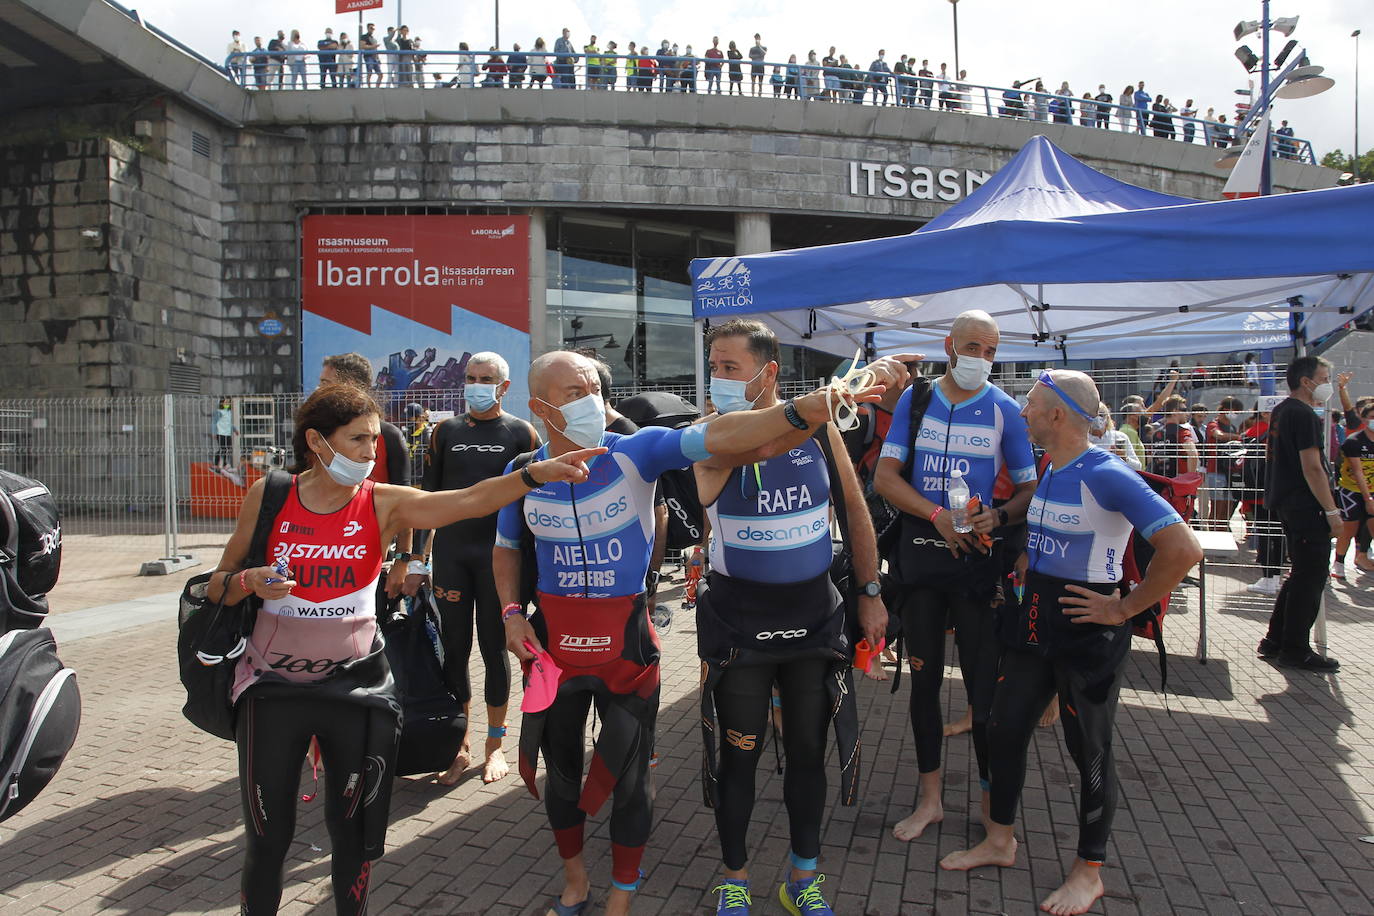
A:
(877, 179)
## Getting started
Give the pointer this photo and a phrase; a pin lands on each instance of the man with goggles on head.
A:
(1071, 631)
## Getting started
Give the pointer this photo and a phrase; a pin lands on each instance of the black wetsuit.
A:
(462, 452)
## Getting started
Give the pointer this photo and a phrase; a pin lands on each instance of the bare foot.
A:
(1051, 714)
(1078, 893)
(988, 852)
(963, 725)
(496, 766)
(456, 770)
(915, 824)
(618, 902)
(875, 671)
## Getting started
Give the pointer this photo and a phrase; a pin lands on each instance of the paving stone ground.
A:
(1246, 795)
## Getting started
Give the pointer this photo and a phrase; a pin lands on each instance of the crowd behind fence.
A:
(809, 81)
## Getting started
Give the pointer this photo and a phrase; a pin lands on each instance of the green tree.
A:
(1340, 161)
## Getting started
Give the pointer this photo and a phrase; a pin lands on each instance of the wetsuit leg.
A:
(632, 811)
(923, 624)
(1088, 713)
(272, 738)
(563, 744)
(975, 626)
(491, 632)
(455, 594)
(1025, 683)
(805, 719)
(743, 698)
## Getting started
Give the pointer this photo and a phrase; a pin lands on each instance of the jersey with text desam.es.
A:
(330, 617)
(978, 437)
(593, 539)
(1080, 519)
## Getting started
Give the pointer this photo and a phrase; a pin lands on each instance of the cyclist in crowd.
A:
(1072, 630)
(464, 450)
(973, 428)
(314, 665)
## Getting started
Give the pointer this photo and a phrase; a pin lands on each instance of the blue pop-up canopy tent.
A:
(1073, 264)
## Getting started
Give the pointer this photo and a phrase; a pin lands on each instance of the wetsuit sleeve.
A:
(1119, 489)
(898, 442)
(509, 525)
(433, 472)
(397, 457)
(655, 449)
(1017, 454)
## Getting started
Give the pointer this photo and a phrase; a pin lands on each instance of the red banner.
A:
(416, 266)
(356, 6)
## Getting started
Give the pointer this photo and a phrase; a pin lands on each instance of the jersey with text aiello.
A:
(330, 617)
(464, 451)
(977, 437)
(593, 539)
(771, 521)
(1081, 517)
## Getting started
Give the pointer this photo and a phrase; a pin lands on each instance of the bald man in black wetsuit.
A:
(462, 451)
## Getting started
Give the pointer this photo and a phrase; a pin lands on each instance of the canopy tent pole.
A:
(698, 363)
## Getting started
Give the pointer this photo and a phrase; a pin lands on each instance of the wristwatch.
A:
(651, 582)
(1001, 516)
(871, 589)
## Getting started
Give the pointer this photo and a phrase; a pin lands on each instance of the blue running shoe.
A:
(734, 898)
(804, 897)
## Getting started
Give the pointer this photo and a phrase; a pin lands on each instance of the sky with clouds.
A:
(1181, 48)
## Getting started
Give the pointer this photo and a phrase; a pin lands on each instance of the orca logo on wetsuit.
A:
(476, 447)
(781, 634)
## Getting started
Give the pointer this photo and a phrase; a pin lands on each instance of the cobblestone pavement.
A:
(1247, 795)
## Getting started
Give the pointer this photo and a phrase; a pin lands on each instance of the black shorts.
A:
(1351, 504)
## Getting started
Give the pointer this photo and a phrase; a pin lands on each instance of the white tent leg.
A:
(698, 362)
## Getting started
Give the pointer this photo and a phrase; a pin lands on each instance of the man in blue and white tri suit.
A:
(592, 544)
(972, 426)
(1072, 631)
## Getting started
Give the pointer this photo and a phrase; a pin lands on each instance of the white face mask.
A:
(970, 372)
(1322, 393)
(345, 471)
(584, 420)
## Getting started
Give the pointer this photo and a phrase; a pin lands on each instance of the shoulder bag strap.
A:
(922, 389)
(822, 437)
(275, 490)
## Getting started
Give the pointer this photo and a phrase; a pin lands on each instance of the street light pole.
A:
(498, 23)
(955, 5)
(1355, 166)
(1266, 179)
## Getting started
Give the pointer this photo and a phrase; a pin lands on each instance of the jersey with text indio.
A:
(977, 437)
(593, 539)
(771, 521)
(1081, 517)
(330, 617)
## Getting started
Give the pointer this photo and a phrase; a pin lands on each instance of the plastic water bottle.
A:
(958, 501)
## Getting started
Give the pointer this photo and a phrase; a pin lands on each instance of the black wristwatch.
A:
(651, 582)
(871, 589)
(1001, 516)
(528, 478)
(789, 410)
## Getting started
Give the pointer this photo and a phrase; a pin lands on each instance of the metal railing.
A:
(808, 82)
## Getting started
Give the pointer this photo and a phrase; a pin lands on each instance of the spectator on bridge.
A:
(591, 54)
(666, 66)
(539, 64)
(327, 46)
(1013, 103)
(495, 68)
(1061, 107)
(757, 55)
(1104, 105)
(1223, 133)
(404, 66)
(368, 43)
(688, 63)
(610, 65)
(1125, 107)
(516, 64)
(466, 77)
(830, 76)
(879, 74)
(296, 60)
(1141, 100)
(927, 84)
(811, 77)
(961, 94)
(736, 70)
(1188, 113)
(563, 61)
(793, 79)
(417, 63)
(1286, 148)
(906, 86)
(714, 56)
(946, 89)
(233, 63)
(260, 61)
(645, 69)
(778, 81)
(1087, 111)
(855, 80)
(393, 61)
(277, 61)
(1040, 102)
(1162, 117)
(347, 72)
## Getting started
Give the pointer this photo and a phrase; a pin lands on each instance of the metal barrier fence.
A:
(447, 69)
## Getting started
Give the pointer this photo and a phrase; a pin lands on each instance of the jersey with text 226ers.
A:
(330, 617)
(593, 539)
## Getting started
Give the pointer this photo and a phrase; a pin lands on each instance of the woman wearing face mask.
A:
(224, 432)
(1102, 432)
(1218, 438)
(314, 666)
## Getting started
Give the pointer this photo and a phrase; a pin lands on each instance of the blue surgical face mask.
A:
(480, 396)
(728, 394)
(345, 471)
(584, 420)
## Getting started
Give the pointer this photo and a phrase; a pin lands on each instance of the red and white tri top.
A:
(330, 617)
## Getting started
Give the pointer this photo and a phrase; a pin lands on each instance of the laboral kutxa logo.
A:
(495, 233)
(724, 284)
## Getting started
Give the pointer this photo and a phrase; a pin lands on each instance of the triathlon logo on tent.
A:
(724, 284)
(495, 233)
(1265, 321)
